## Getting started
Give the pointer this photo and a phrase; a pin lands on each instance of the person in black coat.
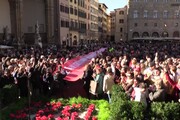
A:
(47, 81)
(87, 77)
(37, 82)
(22, 82)
(58, 84)
(6, 79)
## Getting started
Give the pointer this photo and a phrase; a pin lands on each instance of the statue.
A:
(37, 35)
(37, 28)
(5, 34)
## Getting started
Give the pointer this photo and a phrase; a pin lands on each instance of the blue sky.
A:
(113, 4)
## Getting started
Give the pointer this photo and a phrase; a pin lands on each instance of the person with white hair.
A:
(108, 82)
(141, 93)
(159, 94)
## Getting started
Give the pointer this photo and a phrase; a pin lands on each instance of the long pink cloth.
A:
(76, 65)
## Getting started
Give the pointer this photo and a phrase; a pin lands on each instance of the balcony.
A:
(74, 28)
(82, 30)
(175, 4)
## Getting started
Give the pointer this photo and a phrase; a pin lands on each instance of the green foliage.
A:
(119, 106)
(121, 95)
(127, 110)
(104, 110)
(137, 110)
(12, 108)
(156, 110)
(83, 101)
(94, 102)
(63, 101)
(123, 109)
(116, 89)
(102, 106)
(165, 111)
(9, 94)
(120, 110)
(118, 93)
(41, 98)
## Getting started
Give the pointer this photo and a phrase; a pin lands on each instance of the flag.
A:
(111, 49)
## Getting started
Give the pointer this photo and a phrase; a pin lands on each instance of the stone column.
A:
(19, 20)
(16, 19)
(12, 7)
(57, 21)
(49, 5)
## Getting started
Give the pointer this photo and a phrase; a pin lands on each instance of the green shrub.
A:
(121, 95)
(104, 110)
(41, 98)
(12, 108)
(62, 100)
(117, 89)
(118, 93)
(122, 108)
(137, 110)
(119, 106)
(9, 94)
(83, 101)
(165, 111)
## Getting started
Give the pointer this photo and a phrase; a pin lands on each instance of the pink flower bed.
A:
(55, 111)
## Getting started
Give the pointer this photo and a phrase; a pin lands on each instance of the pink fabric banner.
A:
(76, 65)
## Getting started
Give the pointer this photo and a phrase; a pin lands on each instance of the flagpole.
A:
(29, 99)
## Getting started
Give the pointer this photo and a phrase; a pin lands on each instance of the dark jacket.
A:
(6, 80)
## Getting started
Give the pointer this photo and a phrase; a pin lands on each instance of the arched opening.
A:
(33, 13)
(155, 34)
(176, 34)
(70, 39)
(64, 41)
(135, 35)
(5, 21)
(165, 34)
(75, 40)
(145, 34)
(67, 41)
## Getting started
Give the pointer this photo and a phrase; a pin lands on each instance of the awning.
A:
(5, 47)
(158, 39)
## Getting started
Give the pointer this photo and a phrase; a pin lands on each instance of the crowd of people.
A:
(37, 71)
(147, 72)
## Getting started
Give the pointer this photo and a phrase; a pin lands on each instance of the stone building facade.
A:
(154, 19)
(73, 21)
(61, 22)
(83, 20)
(108, 34)
(121, 24)
(21, 16)
(113, 25)
(78, 21)
(103, 17)
(93, 31)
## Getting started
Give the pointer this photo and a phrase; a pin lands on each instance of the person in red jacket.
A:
(174, 96)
